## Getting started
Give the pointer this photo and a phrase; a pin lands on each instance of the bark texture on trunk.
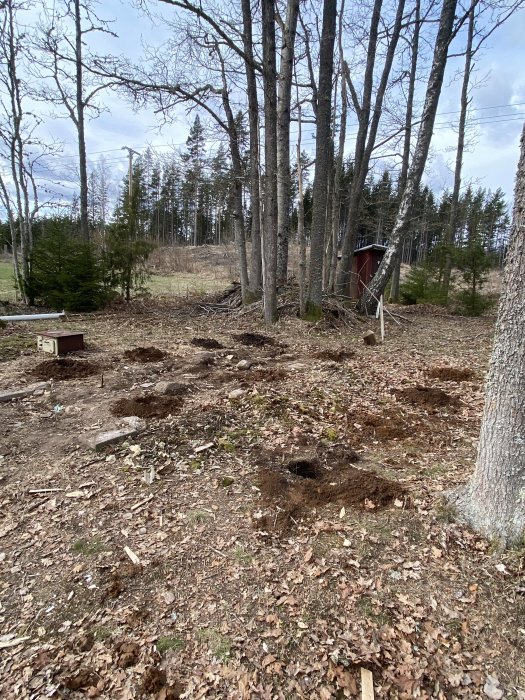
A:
(253, 122)
(84, 216)
(270, 163)
(370, 296)
(396, 275)
(284, 178)
(493, 501)
(322, 160)
(450, 231)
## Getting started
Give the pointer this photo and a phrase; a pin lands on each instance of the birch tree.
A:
(493, 501)
(368, 300)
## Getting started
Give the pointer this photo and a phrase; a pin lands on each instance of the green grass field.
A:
(7, 283)
(178, 284)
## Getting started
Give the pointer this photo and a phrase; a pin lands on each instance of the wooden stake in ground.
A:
(367, 684)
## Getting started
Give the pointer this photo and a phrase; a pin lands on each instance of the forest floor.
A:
(271, 531)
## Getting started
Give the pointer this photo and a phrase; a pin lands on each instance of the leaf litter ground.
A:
(280, 529)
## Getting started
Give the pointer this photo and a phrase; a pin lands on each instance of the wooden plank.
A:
(367, 684)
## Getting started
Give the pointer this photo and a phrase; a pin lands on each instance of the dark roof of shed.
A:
(374, 246)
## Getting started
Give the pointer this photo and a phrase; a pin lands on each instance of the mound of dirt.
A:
(147, 406)
(207, 343)
(64, 368)
(450, 374)
(150, 354)
(385, 427)
(296, 495)
(253, 339)
(334, 355)
(425, 396)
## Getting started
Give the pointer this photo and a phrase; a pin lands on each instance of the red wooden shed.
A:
(366, 262)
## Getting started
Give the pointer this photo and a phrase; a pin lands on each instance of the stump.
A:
(370, 338)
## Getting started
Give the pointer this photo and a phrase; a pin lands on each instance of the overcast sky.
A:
(497, 111)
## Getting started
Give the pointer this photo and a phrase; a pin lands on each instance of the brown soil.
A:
(128, 654)
(147, 406)
(64, 368)
(208, 343)
(450, 374)
(253, 339)
(334, 355)
(311, 486)
(425, 396)
(385, 427)
(150, 354)
(83, 678)
(153, 680)
(267, 375)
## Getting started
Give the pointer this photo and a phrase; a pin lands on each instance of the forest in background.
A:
(244, 76)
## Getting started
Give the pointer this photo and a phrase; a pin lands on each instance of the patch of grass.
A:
(7, 282)
(197, 517)
(241, 555)
(226, 445)
(217, 642)
(166, 643)
(331, 434)
(88, 547)
(371, 611)
(185, 284)
(102, 633)
(12, 345)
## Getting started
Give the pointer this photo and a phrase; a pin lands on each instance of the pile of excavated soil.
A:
(425, 396)
(253, 339)
(386, 427)
(450, 374)
(207, 343)
(150, 354)
(64, 368)
(147, 406)
(334, 355)
(308, 485)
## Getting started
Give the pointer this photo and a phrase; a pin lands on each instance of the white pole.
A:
(32, 317)
(382, 318)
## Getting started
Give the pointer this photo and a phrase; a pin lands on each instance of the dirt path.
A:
(285, 520)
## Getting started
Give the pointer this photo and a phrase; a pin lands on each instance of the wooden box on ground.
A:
(60, 342)
(366, 262)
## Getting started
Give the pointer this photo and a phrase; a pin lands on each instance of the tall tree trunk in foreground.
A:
(493, 500)
(270, 163)
(284, 178)
(396, 275)
(253, 121)
(450, 231)
(322, 160)
(80, 121)
(370, 296)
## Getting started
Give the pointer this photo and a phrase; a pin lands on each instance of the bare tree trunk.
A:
(394, 290)
(301, 237)
(238, 213)
(270, 163)
(322, 160)
(492, 501)
(377, 286)
(368, 119)
(284, 180)
(84, 217)
(253, 122)
(450, 231)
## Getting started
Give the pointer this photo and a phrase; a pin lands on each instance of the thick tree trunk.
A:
(370, 296)
(492, 501)
(322, 160)
(284, 179)
(270, 163)
(396, 275)
(450, 231)
(84, 216)
(253, 123)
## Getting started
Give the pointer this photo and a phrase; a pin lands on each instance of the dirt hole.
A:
(64, 368)
(306, 468)
(253, 339)
(334, 355)
(450, 374)
(425, 396)
(150, 354)
(208, 343)
(147, 406)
